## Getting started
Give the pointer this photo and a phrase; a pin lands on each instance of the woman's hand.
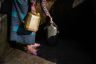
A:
(33, 9)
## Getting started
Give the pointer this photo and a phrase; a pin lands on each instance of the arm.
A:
(43, 4)
(33, 4)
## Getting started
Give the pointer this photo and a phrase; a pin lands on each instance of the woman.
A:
(20, 9)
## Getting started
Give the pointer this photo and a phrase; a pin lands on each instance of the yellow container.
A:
(32, 22)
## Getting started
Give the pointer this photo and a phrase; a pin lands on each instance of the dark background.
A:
(76, 38)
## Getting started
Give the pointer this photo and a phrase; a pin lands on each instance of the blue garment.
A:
(19, 11)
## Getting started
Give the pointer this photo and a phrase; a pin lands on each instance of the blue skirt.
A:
(19, 11)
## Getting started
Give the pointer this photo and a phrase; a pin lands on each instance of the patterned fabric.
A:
(43, 5)
(19, 11)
